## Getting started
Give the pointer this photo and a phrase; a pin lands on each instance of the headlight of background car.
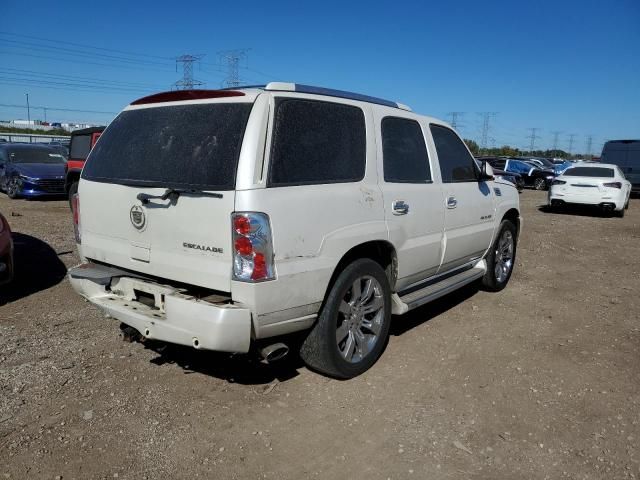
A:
(27, 179)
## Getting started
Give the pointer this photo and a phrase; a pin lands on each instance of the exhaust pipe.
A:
(274, 352)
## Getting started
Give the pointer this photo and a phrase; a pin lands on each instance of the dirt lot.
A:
(539, 381)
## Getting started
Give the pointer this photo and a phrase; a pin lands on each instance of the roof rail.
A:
(297, 87)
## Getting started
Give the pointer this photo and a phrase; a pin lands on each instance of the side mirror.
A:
(486, 172)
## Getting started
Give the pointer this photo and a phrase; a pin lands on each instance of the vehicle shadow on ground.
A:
(36, 267)
(402, 324)
(576, 210)
(245, 369)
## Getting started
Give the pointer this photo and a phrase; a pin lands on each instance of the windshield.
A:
(589, 172)
(35, 155)
(184, 146)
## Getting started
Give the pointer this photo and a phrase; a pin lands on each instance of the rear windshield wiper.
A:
(174, 193)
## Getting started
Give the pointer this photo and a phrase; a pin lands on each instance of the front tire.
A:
(353, 326)
(501, 258)
(13, 188)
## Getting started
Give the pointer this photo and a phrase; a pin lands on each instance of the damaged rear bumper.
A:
(163, 312)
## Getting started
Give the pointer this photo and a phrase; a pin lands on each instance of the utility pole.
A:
(532, 138)
(484, 137)
(45, 114)
(232, 59)
(28, 111)
(187, 82)
(454, 118)
(571, 137)
(589, 144)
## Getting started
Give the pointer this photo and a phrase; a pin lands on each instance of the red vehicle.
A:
(82, 141)
(6, 251)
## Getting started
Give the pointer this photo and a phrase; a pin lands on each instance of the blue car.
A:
(30, 170)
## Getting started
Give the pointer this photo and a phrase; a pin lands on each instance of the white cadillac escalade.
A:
(224, 219)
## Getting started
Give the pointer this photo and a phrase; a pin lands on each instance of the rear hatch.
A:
(185, 151)
(587, 180)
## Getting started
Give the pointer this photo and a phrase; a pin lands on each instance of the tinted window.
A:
(317, 142)
(404, 152)
(35, 155)
(182, 146)
(499, 164)
(80, 147)
(456, 164)
(589, 172)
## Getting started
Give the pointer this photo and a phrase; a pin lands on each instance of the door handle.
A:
(400, 207)
(452, 202)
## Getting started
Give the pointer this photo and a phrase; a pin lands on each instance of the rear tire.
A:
(73, 189)
(619, 213)
(540, 184)
(353, 326)
(501, 258)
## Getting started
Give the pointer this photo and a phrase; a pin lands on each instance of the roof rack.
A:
(297, 87)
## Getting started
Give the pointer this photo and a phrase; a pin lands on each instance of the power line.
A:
(57, 42)
(232, 59)
(58, 109)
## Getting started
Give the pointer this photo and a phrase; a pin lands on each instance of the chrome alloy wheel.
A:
(360, 319)
(504, 256)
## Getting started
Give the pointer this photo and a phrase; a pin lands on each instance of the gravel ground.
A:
(539, 381)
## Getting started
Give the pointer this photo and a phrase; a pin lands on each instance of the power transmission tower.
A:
(532, 138)
(232, 59)
(187, 82)
(588, 147)
(484, 137)
(556, 134)
(454, 118)
(571, 137)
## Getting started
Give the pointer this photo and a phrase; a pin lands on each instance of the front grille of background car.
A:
(50, 186)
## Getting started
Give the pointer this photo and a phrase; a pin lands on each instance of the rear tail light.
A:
(252, 247)
(558, 182)
(613, 185)
(75, 208)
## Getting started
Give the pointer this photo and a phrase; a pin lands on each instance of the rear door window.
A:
(404, 151)
(184, 146)
(317, 142)
(456, 163)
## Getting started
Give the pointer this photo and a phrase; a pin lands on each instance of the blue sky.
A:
(568, 66)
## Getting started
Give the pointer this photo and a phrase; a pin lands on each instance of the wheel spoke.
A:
(373, 306)
(349, 346)
(362, 345)
(374, 326)
(344, 308)
(356, 290)
(342, 332)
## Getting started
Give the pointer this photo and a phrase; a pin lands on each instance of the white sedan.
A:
(599, 184)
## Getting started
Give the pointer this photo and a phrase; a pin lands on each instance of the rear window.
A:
(35, 155)
(589, 172)
(80, 147)
(184, 146)
(317, 142)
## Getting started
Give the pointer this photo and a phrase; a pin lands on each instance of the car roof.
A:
(86, 131)
(25, 146)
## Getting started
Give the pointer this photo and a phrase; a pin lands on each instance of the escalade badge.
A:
(137, 217)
